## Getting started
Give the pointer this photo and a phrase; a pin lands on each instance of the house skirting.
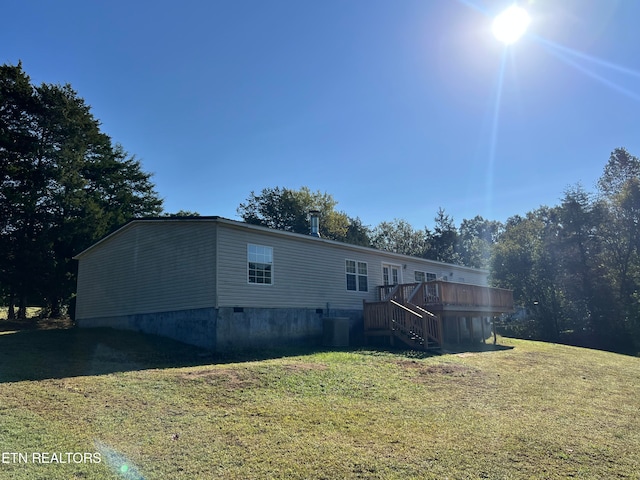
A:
(235, 328)
(459, 329)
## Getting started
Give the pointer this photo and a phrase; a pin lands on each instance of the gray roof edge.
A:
(311, 238)
(271, 231)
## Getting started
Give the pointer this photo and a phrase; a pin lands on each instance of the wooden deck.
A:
(413, 312)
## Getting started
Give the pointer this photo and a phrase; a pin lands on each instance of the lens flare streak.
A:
(475, 7)
(595, 76)
(603, 63)
(494, 129)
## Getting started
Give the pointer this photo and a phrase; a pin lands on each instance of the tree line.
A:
(574, 267)
(288, 209)
(64, 184)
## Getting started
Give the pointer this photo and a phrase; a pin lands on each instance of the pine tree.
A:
(63, 185)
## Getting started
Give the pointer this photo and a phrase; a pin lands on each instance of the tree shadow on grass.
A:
(59, 353)
(39, 354)
(447, 350)
(476, 348)
(34, 353)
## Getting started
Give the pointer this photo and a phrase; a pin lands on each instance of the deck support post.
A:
(493, 324)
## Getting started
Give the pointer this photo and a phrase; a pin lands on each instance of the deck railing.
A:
(376, 315)
(438, 292)
(462, 295)
(399, 292)
(432, 325)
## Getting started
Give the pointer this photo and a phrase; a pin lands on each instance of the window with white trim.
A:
(357, 276)
(260, 264)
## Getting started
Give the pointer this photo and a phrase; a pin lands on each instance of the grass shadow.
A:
(420, 354)
(38, 354)
(476, 348)
(35, 353)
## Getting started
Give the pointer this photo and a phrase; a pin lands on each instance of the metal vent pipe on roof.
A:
(314, 218)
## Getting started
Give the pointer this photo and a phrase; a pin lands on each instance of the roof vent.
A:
(314, 218)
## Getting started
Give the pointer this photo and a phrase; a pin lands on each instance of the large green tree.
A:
(443, 239)
(288, 209)
(619, 189)
(583, 274)
(470, 245)
(621, 167)
(576, 266)
(526, 260)
(400, 237)
(619, 199)
(63, 185)
(476, 238)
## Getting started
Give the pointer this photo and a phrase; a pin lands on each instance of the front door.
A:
(390, 274)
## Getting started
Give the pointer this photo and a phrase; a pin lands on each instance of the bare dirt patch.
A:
(466, 354)
(232, 379)
(304, 367)
(438, 369)
(54, 323)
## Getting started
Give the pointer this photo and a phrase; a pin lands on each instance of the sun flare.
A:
(511, 24)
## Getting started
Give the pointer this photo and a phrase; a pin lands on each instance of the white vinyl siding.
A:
(310, 271)
(168, 265)
(149, 267)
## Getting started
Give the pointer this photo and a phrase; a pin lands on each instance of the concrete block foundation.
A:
(236, 328)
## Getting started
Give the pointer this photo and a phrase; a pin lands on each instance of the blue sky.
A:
(395, 107)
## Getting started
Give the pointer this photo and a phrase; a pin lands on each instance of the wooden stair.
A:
(400, 319)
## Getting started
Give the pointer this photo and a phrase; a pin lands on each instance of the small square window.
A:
(362, 268)
(351, 266)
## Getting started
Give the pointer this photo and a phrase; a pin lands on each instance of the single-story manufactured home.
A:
(224, 284)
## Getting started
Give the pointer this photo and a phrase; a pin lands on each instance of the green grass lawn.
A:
(156, 409)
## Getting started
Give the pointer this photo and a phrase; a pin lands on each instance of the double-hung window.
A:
(260, 264)
(357, 276)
